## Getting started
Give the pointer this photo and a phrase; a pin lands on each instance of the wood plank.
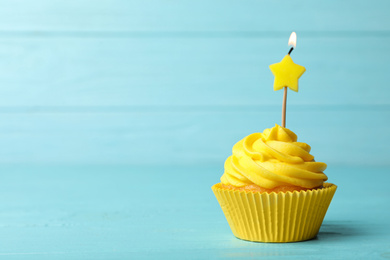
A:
(188, 72)
(193, 16)
(120, 212)
(343, 135)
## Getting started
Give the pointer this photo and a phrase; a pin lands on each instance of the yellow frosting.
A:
(271, 159)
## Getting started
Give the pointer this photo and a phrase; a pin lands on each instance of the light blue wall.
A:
(179, 82)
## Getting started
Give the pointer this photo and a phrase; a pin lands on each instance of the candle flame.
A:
(293, 40)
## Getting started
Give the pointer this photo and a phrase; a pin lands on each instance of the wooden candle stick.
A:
(284, 107)
(285, 99)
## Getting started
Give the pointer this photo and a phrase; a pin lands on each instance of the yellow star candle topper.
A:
(287, 72)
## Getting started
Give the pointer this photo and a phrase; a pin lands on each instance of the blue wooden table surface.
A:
(129, 212)
(116, 117)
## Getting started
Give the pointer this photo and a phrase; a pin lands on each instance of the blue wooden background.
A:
(118, 81)
(98, 98)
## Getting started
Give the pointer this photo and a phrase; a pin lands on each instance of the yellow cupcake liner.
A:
(275, 217)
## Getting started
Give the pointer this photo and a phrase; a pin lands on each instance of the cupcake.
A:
(272, 189)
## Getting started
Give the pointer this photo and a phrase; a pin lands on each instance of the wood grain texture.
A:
(188, 136)
(127, 72)
(187, 100)
(116, 117)
(116, 81)
(194, 16)
(116, 212)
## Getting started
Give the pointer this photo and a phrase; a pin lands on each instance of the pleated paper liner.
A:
(275, 217)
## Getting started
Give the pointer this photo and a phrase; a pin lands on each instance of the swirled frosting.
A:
(271, 159)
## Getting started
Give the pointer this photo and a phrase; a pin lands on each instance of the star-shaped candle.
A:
(287, 74)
